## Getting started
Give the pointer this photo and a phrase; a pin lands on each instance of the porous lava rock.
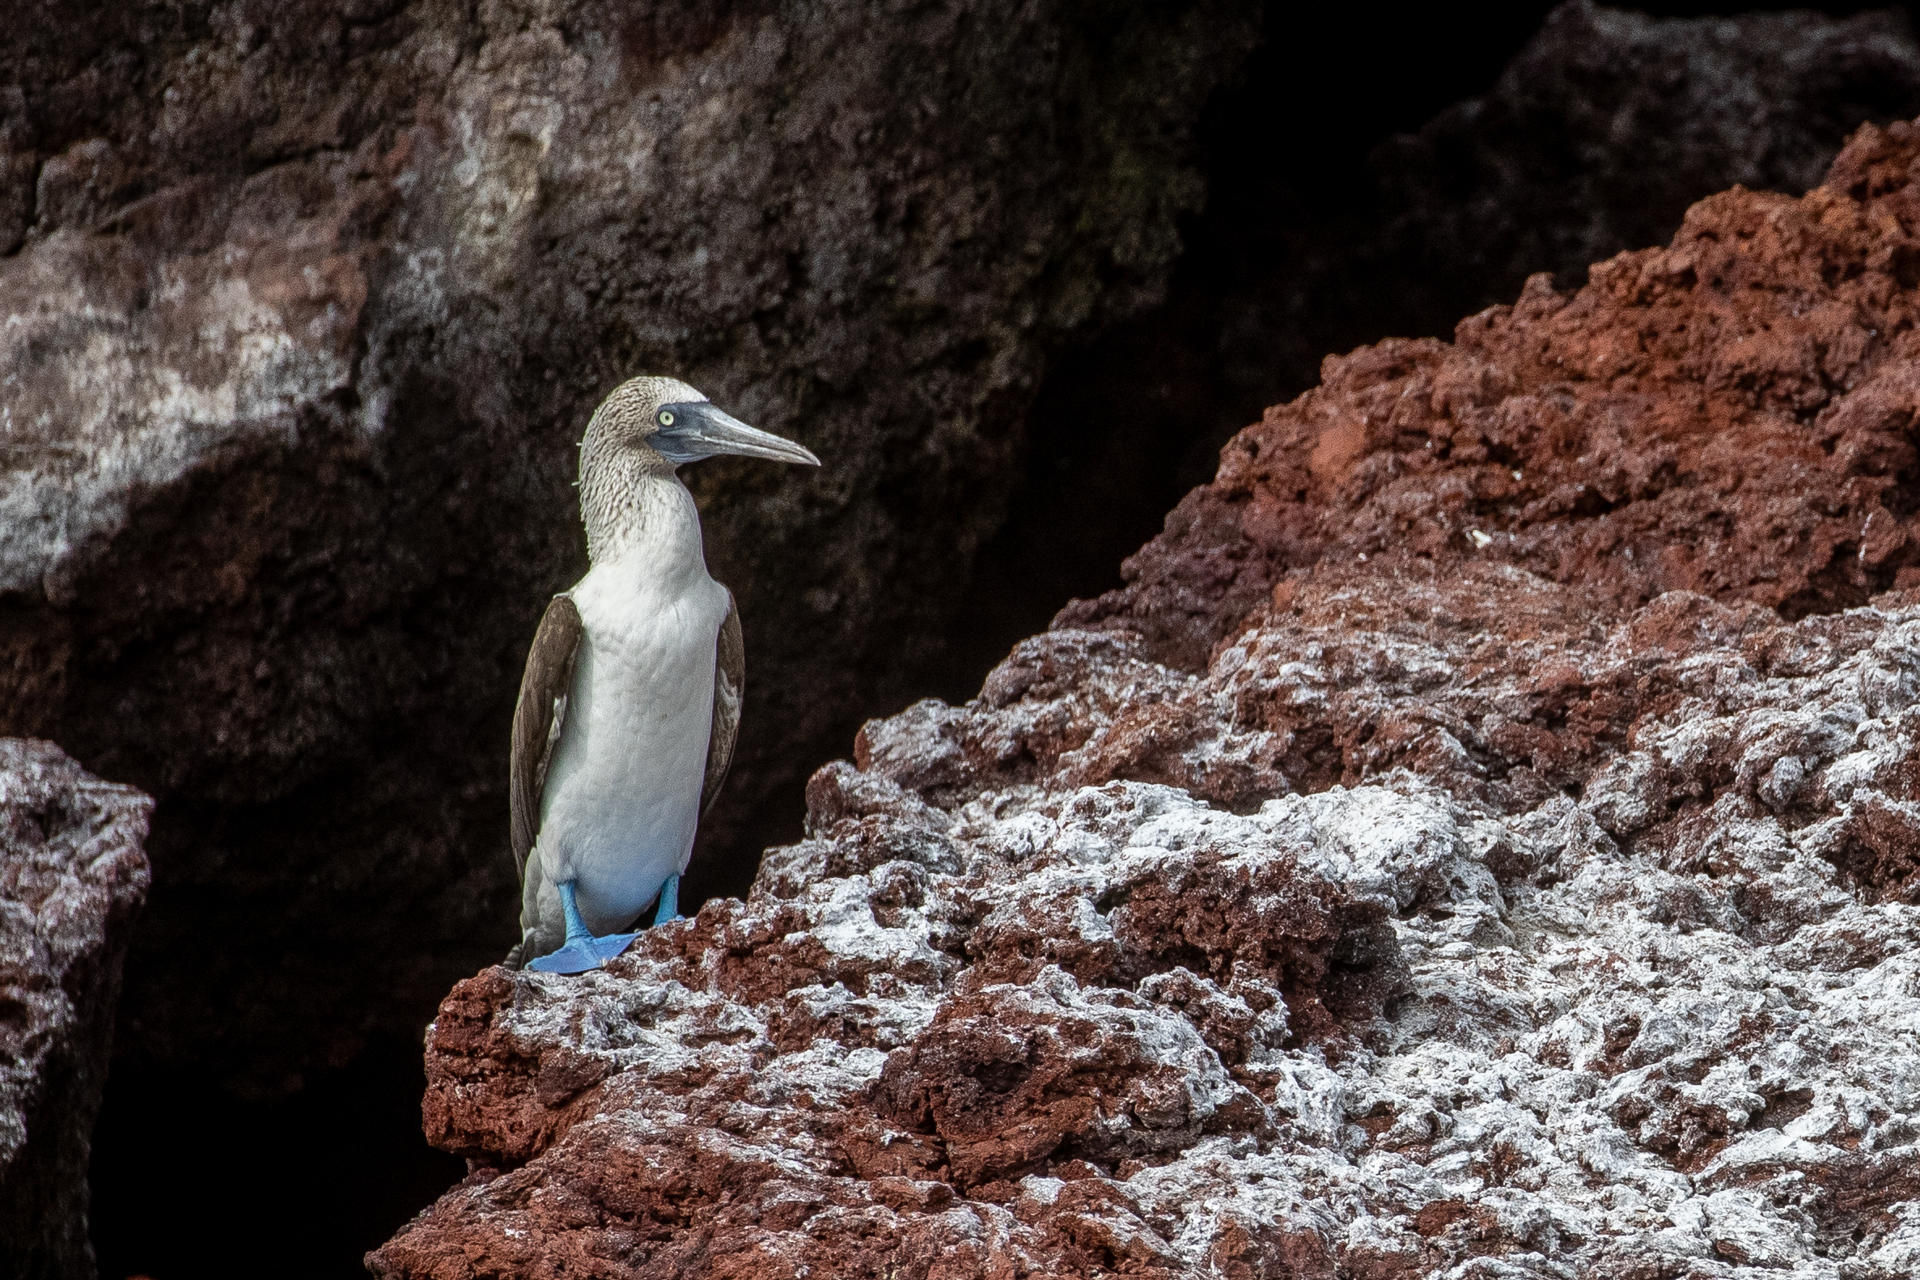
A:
(1434, 872)
(1596, 137)
(1730, 414)
(306, 306)
(73, 875)
(1590, 952)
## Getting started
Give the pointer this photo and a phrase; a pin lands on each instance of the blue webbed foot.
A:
(582, 954)
(583, 951)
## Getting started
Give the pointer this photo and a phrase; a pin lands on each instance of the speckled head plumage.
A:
(678, 425)
(630, 415)
(646, 429)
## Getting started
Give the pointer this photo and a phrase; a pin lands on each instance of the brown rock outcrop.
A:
(1596, 137)
(307, 305)
(1480, 840)
(72, 877)
(1729, 415)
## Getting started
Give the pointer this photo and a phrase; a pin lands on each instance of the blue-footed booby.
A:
(631, 697)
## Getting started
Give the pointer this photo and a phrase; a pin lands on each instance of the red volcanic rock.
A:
(1476, 843)
(72, 878)
(1728, 415)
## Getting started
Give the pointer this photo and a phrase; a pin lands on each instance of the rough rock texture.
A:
(1444, 859)
(72, 877)
(307, 304)
(1595, 138)
(1731, 414)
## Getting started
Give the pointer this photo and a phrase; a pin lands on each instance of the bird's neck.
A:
(638, 513)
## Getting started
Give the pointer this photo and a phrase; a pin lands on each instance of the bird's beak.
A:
(699, 430)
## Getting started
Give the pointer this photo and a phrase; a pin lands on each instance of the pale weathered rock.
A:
(72, 877)
(1378, 1030)
(1365, 898)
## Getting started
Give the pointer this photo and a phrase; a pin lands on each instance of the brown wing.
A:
(729, 688)
(539, 717)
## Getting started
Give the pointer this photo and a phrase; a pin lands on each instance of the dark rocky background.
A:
(347, 280)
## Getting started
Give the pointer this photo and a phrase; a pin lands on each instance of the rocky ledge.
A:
(1481, 840)
(72, 876)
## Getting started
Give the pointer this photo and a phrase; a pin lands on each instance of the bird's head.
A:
(671, 420)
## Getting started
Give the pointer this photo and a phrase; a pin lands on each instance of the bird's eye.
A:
(666, 417)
